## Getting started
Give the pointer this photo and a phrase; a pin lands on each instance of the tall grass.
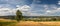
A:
(7, 22)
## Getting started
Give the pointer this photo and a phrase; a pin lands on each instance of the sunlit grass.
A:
(32, 23)
(8, 22)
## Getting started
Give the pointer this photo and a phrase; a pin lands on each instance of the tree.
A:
(18, 15)
(54, 19)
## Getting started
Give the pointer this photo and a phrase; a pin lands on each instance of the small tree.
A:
(54, 19)
(18, 15)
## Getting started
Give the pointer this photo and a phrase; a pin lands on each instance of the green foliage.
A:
(18, 15)
(53, 19)
(43, 18)
(7, 23)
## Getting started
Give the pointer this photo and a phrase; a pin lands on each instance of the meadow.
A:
(8, 22)
(32, 23)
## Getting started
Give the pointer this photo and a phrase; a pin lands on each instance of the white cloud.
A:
(45, 9)
(58, 2)
(26, 10)
(48, 11)
(58, 8)
(7, 11)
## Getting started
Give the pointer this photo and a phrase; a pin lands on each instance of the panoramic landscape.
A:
(29, 12)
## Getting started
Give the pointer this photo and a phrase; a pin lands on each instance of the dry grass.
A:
(51, 23)
(7, 20)
(31, 23)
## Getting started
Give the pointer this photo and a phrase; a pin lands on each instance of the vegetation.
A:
(32, 23)
(27, 21)
(7, 22)
(18, 15)
(42, 18)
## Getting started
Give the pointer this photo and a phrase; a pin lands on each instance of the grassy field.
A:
(7, 22)
(32, 23)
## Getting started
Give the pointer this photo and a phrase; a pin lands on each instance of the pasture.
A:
(7, 22)
(32, 23)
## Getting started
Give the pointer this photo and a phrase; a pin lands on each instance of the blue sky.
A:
(30, 7)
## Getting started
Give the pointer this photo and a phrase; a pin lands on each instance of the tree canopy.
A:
(18, 15)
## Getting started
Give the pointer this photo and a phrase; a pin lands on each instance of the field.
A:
(32, 23)
(6, 22)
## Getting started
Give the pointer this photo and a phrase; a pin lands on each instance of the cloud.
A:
(24, 8)
(28, 11)
(48, 11)
(58, 2)
(15, 2)
(52, 12)
(7, 11)
(4, 11)
(44, 9)
(7, 6)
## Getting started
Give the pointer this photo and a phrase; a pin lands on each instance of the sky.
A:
(30, 7)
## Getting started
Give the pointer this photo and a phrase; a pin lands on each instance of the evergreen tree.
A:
(18, 15)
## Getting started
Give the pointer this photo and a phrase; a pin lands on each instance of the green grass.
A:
(6, 22)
